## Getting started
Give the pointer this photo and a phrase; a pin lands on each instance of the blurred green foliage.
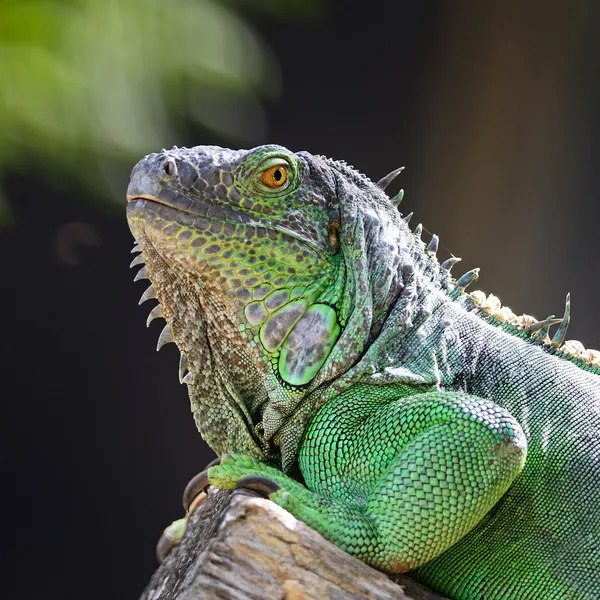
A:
(86, 80)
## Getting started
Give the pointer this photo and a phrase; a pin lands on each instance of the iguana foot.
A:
(241, 471)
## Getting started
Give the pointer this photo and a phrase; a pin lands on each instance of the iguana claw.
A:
(170, 538)
(193, 496)
(198, 484)
(262, 485)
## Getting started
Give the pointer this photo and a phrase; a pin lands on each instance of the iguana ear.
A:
(333, 232)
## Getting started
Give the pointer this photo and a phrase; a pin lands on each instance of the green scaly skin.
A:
(330, 352)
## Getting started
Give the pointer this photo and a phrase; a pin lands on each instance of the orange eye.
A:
(275, 176)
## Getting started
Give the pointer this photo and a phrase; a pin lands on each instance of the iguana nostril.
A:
(170, 168)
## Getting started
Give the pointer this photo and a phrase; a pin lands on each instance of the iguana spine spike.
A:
(418, 230)
(561, 332)
(141, 274)
(136, 248)
(385, 181)
(138, 260)
(397, 199)
(149, 294)
(468, 278)
(540, 329)
(408, 217)
(165, 337)
(433, 244)
(155, 313)
(450, 262)
(183, 367)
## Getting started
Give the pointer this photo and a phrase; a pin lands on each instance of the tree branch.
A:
(241, 547)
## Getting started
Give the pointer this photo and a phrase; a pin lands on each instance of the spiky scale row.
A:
(533, 328)
(166, 335)
(150, 293)
(538, 330)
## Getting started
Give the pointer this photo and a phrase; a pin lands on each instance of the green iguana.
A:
(335, 364)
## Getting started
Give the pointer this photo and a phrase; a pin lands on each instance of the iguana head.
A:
(272, 269)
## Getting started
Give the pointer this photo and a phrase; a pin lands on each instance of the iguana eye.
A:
(275, 176)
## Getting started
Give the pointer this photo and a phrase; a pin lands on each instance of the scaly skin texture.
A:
(329, 351)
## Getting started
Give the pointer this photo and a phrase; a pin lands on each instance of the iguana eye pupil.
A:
(274, 176)
(170, 168)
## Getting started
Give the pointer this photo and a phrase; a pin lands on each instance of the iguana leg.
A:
(395, 480)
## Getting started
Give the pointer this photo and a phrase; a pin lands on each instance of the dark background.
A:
(491, 106)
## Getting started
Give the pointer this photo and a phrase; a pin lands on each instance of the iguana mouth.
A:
(148, 197)
(197, 207)
(225, 214)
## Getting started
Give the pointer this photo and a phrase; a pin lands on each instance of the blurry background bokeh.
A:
(492, 107)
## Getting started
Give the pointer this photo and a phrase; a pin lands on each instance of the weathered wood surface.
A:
(242, 547)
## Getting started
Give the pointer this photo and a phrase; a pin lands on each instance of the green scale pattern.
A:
(440, 460)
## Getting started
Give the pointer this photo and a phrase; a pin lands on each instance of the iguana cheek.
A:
(308, 344)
